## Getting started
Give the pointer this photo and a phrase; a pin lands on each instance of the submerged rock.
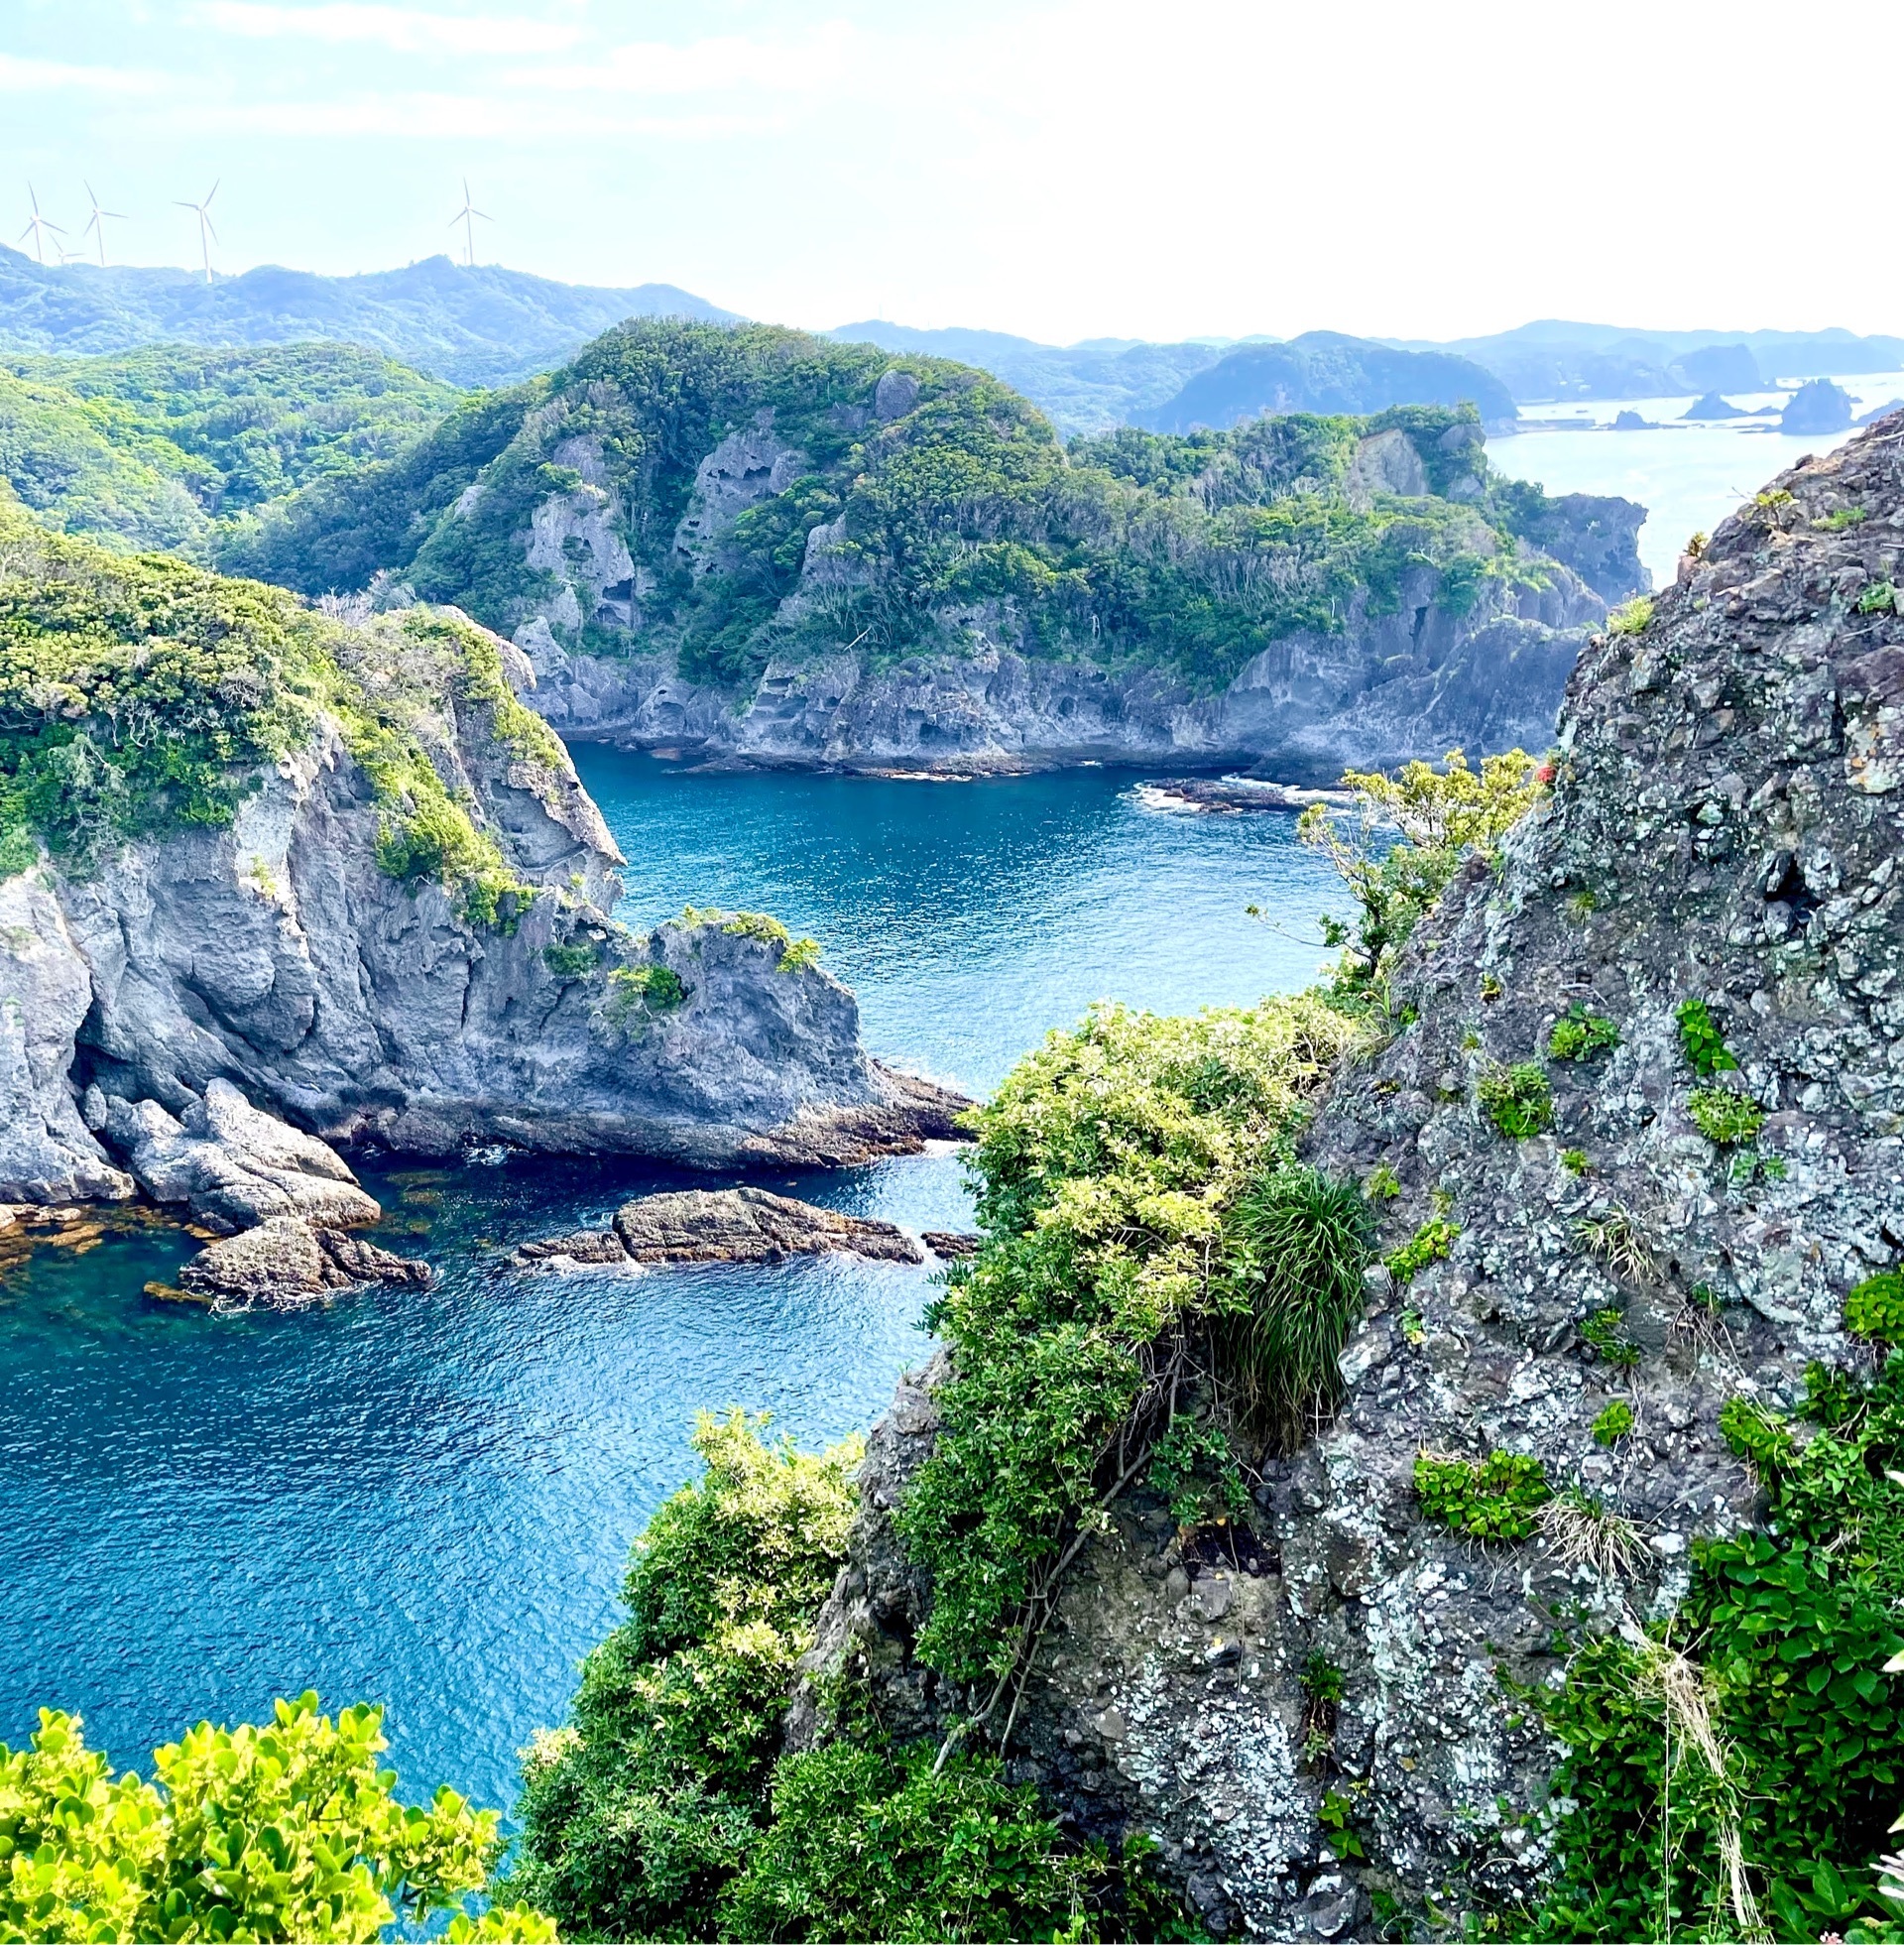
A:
(230, 1165)
(285, 1263)
(728, 1224)
(950, 1241)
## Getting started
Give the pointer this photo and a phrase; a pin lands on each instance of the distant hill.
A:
(1323, 371)
(1081, 388)
(485, 326)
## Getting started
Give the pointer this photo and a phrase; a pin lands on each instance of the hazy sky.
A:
(1062, 168)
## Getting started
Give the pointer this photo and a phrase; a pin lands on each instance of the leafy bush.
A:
(1606, 1335)
(866, 1845)
(1443, 816)
(639, 1813)
(284, 1831)
(1194, 1473)
(1429, 1243)
(1724, 1116)
(1579, 1035)
(1878, 599)
(1875, 1307)
(1106, 1166)
(1298, 1243)
(572, 961)
(800, 955)
(1613, 1423)
(1794, 1707)
(1496, 1498)
(1632, 618)
(1576, 1161)
(1517, 1099)
(639, 992)
(1700, 1040)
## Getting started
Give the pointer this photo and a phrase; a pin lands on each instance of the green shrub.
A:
(867, 1845)
(1604, 1333)
(1496, 1498)
(1298, 1243)
(1106, 1163)
(572, 961)
(1429, 1243)
(801, 955)
(755, 924)
(1613, 1423)
(283, 1831)
(1194, 1473)
(1875, 1307)
(1724, 1118)
(1794, 1627)
(1576, 1161)
(1632, 618)
(1517, 1099)
(1878, 599)
(641, 992)
(1700, 1040)
(1843, 517)
(1579, 1035)
(639, 1814)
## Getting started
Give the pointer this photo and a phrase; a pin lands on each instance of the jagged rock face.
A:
(1391, 686)
(1724, 825)
(285, 1263)
(728, 1224)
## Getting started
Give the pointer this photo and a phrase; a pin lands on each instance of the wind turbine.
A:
(463, 216)
(37, 228)
(100, 217)
(207, 236)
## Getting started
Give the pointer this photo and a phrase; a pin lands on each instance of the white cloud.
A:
(823, 63)
(21, 77)
(404, 30)
(435, 117)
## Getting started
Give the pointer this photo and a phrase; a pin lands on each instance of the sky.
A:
(1063, 169)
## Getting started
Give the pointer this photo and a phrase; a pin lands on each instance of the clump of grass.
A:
(1297, 1245)
(1619, 1242)
(1517, 1099)
(1836, 523)
(1584, 903)
(1724, 1118)
(1579, 1035)
(1631, 619)
(1575, 1160)
(1382, 1184)
(1498, 1498)
(1581, 1531)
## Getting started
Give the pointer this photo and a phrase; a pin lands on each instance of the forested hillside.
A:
(733, 496)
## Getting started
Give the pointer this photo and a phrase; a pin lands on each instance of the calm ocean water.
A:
(427, 1501)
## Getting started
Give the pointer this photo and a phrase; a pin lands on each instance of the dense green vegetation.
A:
(1757, 1739)
(139, 694)
(284, 1831)
(173, 446)
(965, 510)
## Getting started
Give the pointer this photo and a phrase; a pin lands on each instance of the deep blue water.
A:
(427, 1501)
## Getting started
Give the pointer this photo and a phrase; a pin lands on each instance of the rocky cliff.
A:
(1717, 861)
(355, 882)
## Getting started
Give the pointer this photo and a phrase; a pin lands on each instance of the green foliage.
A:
(1700, 1040)
(637, 1816)
(1632, 618)
(1106, 1165)
(1875, 1307)
(640, 991)
(1576, 1161)
(1429, 1243)
(1443, 816)
(1297, 1245)
(1724, 1116)
(1838, 520)
(1795, 1629)
(1193, 1472)
(1517, 1099)
(572, 961)
(284, 1831)
(1579, 1035)
(791, 955)
(1613, 1423)
(801, 956)
(1493, 1499)
(867, 1845)
(1605, 1336)
(1880, 598)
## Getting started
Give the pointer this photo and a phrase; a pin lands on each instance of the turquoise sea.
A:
(428, 1500)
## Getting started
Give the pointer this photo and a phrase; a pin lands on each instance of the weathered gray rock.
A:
(47, 1151)
(950, 1241)
(1726, 824)
(285, 1263)
(233, 1166)
(728, 1224)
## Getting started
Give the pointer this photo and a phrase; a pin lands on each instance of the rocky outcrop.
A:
(1725, 826)
(729, 1225)
(287, 1263)
(1390, 686)
(1817, 407)
(228, 1164)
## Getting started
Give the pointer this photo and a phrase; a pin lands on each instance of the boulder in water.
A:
(1712, 407)
(285, 1263)
(1818, 406)
(726, 1225)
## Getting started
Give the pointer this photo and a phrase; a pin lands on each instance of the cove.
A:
(428, 1501)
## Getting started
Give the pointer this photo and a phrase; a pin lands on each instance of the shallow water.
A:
(428, 1500)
